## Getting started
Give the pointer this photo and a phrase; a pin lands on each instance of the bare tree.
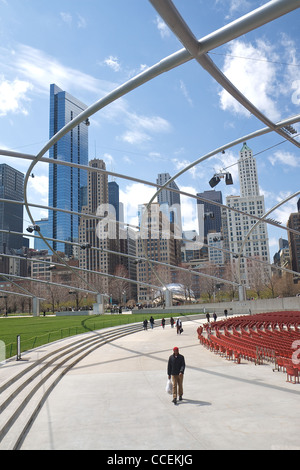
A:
(120, 288)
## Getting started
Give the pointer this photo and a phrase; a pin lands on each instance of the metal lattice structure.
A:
(193, 49)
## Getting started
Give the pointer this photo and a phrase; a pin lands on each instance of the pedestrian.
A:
(145, 323)
(163, 322)
(208, 317)
(151, 322)
(172, 321)
(225, 313)
(176, 368)
(179, 326)
(215, 316)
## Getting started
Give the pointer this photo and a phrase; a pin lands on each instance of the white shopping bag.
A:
(169, 387)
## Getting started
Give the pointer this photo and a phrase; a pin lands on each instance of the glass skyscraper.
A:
(11, 215)
(67, 185)
(210, 216)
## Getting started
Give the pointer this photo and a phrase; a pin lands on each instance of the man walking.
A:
(176, 367)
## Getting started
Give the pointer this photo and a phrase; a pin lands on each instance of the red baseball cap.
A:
(175, 349)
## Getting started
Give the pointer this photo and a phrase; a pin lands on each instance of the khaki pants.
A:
(177, 381)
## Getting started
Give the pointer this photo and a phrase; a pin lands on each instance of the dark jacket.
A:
(176, 365)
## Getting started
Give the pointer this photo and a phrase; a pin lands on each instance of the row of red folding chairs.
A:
(244, 344)
(281, 320)
(235, 352)
(228, 349)
(289, 366)
(258, 339)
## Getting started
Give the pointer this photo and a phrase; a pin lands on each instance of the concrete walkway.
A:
(115, 399)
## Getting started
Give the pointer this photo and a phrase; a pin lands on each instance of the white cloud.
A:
(252, 70)
(196, 172)
(135, 137)
(189, 209)
(38, 188)
(181, 164)
(162, 27)
(66, 17)
(290, 85)
(138, 193)
(283, 213)
(285, 158)
(135, 194)
(185, 93)
(109, 160)
(113, 63)
(141, 127)
(13, 95)
(235, 6)
(41, 69)
(81, 22)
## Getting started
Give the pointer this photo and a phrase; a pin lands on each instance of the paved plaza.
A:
(115, 399)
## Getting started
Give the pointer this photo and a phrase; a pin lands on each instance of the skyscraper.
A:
(100, 233)
(157, 244)
(11, 215)
(113, 197)
(169, 201)
(210, 214)
(294, 241)
(67, 185)
(97, 199)
(238, 226)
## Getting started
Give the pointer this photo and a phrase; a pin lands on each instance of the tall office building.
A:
(209, 215)
(97, 233)
(169, 201)
(11, 215)
(113, 197)
(97, 196)
(294, 241)
(67, 185)
(156, 242)
(238, 226)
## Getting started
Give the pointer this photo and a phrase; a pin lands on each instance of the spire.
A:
(245, 148)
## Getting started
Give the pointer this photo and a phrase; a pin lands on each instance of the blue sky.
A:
(89, 48)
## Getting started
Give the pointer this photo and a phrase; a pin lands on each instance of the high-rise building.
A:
(156, 241)
(39, 244)
(282, 257)
(248, 173)
(67, 185)
(238, 226)
(209, 215)
(11, 215)
(100, 233)
(113, 197)
(97, 199)
(294, 241)
(169, 201)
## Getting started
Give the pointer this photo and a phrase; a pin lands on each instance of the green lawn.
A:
(36, 331)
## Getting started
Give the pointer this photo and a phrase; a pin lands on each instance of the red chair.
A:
(292, 375)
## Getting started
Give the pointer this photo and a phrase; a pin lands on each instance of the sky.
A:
(90, 48)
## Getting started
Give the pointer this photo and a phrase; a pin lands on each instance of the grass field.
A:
(36, 331)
